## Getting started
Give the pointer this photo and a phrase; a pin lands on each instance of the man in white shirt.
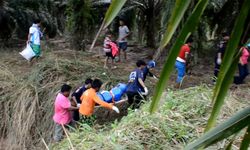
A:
(34, 37)
(122, 40)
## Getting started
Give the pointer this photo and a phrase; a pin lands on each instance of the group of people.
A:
(243, 61)
(181, 60)
(109, 47)
(84, 99)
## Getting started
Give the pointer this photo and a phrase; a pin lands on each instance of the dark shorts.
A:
(76, 116)
(109, 55)
(123, 46)
(134, 99)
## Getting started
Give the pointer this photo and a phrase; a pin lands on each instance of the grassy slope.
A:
(27, 93)
(26, 113)
(180, 119)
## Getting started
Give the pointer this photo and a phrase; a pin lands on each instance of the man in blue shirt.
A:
(136, 87)
(77, 95)
(146, 71)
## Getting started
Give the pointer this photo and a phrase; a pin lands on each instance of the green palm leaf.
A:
(189, 27)
(231, 126)
(177, 15)
(112, 12)
(227, 71)
(246, 140)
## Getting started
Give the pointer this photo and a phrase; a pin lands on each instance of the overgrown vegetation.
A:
(181, 119)
(27, 101)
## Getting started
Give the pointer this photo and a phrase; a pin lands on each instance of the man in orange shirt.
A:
(180, 63)
(90, 98)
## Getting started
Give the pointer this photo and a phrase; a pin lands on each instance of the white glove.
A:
(218, 61)
(116, 109)
(145, 91)
(155, 77)
(78, 105)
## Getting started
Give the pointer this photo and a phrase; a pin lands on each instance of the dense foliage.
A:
(147, 19)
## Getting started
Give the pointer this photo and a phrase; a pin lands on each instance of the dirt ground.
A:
(201, 73)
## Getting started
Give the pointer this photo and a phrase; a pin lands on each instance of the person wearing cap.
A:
(180, 63)
(243, 65)
(90, 98)
(136, 87)
(219, 54)
(146, 71)
(77, 95)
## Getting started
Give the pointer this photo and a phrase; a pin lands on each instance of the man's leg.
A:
(130, 98)
(243, 72)
(76, 116)
(106, 62)
(216, 70)
(138, 100)
(125, 54)
(120, 50)
(239, 79)
(71, 125)
(125, 45)
(181, 71)
(58, 135)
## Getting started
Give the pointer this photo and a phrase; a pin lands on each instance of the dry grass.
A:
(27, 100)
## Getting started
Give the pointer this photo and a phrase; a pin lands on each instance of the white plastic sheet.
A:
(28, 53)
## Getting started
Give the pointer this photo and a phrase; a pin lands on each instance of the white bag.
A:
(28, 53)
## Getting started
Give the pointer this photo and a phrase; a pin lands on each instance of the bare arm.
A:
(126, 35)
(141, 82)
(102, 103)
(186, 55)
(73, 108)
(28, 38)
(219, 56)
(74, 99)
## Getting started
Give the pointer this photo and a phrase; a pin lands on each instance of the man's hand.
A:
(78, 105)
(145, 91)
(219, 61)
(116, 109)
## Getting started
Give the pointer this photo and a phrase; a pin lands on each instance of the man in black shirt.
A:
(219, 54)
(76, 96)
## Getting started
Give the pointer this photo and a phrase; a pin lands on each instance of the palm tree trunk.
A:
(150, 16)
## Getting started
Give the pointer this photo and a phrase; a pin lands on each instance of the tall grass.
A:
(181, 119)
(27, 100)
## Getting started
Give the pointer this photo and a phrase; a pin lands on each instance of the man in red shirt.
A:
(180, 63)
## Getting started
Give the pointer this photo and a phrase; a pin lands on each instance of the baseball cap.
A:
(151, 64)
